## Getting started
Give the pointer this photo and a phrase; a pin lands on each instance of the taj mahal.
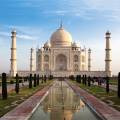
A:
(61, 57)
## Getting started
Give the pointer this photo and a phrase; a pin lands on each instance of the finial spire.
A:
(61, 24)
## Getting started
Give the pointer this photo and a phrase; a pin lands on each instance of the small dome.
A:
(75, 45)
(61, 38)
(13, 32)
(47, 45)
(108, 33)
(42, 49)
(89, 50)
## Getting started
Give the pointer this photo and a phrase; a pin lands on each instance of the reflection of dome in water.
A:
(62, 104)
(67, 115)
(61, 38)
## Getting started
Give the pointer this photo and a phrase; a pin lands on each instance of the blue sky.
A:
(35, 20)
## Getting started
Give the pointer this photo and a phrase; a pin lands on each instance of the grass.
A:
(110, 98)
(9, 80)
(113, 82)
(15, 99)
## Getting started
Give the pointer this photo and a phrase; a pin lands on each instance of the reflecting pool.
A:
(62, 103)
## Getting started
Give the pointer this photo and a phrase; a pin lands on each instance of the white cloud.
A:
(21, 36)
(25, 37)
(55, 12)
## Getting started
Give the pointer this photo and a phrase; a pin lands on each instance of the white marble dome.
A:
(61, 38)
(75, 44)
(47, 45)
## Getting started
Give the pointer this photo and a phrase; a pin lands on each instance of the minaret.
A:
(13, 69)
(108, 57)
(31, 60)
(89, 59)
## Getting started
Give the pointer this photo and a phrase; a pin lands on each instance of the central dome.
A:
(61, 38)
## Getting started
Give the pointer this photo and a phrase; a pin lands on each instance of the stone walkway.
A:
(24, 110)
(107, 112)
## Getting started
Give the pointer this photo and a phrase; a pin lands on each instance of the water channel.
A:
(61, 103)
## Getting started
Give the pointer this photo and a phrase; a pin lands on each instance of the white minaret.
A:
(89, 59)
(107, 56)
(13, 60)
(31, 60)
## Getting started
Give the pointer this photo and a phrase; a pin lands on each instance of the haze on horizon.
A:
(36, 20)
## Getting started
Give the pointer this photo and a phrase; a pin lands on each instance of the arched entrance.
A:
(61, 62)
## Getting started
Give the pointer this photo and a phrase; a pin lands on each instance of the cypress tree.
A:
(50, 77)
(119, 84)
(35, 83)
(45, 78)
(72, 77)
(4, 86)
(107, 84)
(80, 79)
(17, 84)
(89, 81)
(100, 81)
(85, 81)
(30, 81)
(42, 79)
(77, 78)
(38, 79)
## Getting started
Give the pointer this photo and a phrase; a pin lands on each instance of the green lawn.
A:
(99, 92)
(113, 82)
(7, 105)
(9, 81)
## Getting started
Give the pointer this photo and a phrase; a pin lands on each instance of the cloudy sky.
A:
(36, 20)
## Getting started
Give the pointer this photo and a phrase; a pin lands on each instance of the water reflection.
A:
(62, 103)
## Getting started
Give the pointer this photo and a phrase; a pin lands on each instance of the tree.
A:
(17, 84)
(107, 84)
(119, 84)
(99, 81)
(50, 77)
(85, 81)
(35, 80)
(30, 81)
(89, 81)
(4, 86)
(79, 78)
(45, 78)
(42, 79)
(38, 79)
(72, 77)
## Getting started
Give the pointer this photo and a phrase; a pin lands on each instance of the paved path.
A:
(24, 110)
(107, 112)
